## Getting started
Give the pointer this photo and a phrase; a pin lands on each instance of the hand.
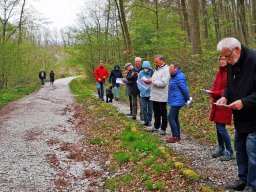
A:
(99, 79)
(238, 105)
(148, 81)
(104, 77)
(222, 101)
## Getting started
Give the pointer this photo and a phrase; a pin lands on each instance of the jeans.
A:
(116, 92)
(147, 106)
(160, 113)
(42, 81)
(135, 106)
(174, 121)
(245, 145)
(100, 86)
(223, 137)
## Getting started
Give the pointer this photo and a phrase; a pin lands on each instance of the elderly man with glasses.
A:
(240, 95)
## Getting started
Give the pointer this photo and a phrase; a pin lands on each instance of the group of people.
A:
(42, 76)
(233, 92)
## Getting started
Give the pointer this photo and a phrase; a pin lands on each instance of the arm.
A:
(183, 88)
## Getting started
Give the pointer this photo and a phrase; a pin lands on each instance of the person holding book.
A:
(147, 105)
(221, 115)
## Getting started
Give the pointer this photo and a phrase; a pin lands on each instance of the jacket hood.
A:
(146, 64)
(116, 65)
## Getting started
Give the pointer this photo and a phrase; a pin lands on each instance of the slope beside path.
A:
(198, 156)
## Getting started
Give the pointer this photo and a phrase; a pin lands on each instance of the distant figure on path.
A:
(115, 73)
(100, 74)
(52, 76)
(240, 94)
(220, 115)
(42, 76)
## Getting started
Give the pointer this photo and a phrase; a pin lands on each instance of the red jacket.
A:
(220, 114)
(101, 74)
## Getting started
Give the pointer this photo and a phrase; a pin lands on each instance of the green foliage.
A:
(154, 186)
(8, 95)
(122, 157)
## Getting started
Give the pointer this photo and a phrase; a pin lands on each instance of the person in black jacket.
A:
(115, 73)
(240, 95)
(135, 92)
(52, 77)
(42, 76)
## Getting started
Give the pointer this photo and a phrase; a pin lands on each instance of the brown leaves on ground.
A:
(52, 160)
(32, 134)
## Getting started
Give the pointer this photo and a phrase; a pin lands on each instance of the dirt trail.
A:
(199, 156)
(40, 147)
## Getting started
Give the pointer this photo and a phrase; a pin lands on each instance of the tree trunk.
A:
(20, 21)
(216, 20)
(195, 28)
(185, 17)
(127, 35)
(244, 27)
(205, 19)
(254, 16)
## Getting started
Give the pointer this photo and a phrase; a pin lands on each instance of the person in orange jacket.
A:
(100, 74)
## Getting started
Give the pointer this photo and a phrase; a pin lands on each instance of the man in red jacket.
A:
(100, 74)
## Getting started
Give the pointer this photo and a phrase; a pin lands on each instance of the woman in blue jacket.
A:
(178, 96)
(145, 73)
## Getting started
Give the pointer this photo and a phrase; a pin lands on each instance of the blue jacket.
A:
(145, 92)
(178, 93)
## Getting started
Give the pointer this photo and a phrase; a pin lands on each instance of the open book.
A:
(206, 90)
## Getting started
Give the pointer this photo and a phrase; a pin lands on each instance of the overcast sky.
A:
(61, 13)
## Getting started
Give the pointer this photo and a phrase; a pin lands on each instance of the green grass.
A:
(8, 95)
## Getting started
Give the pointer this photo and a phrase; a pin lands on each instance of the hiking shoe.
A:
(146, 124)
(227, 156)
(172, 140)
(218, 152)
(129, 114)
(239, 185)
(152, 129)
(162, 132)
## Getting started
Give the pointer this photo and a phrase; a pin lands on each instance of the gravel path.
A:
(199, 156)
(40, 147)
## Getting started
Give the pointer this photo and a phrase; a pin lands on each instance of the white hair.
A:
(228, 43)
(137, 59)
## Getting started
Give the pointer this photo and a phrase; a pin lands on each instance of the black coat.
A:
(42, 75)
(115, 74)
(242, 85)
(133, 78)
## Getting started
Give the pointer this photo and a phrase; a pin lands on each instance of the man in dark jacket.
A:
(240, 94)
(115, 73)
(42, 76)
(133, 76)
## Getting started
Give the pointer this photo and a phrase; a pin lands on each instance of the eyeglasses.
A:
(229, 56)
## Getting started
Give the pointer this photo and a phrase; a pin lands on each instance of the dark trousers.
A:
(160, 114)
(130, 100)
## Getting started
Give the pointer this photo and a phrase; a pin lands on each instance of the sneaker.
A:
(162, 132)
(239, 185)
(172, 140)
(152, 129)
(116, 98)
(218, 152)
(129, 114)
(227, 156)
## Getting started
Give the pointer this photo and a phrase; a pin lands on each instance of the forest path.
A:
(40, 148)
(199, 157)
